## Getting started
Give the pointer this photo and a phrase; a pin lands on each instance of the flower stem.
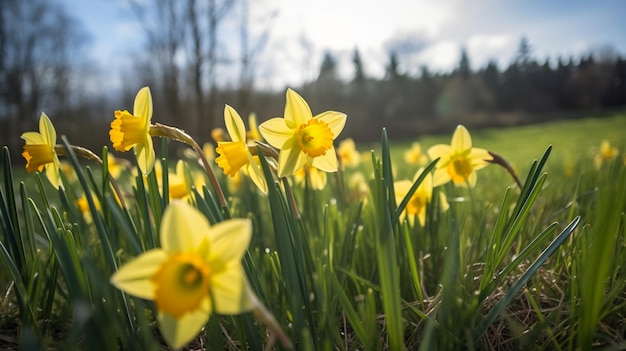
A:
(88, 154)
(499, 160)
(180, 136)
(264, 316)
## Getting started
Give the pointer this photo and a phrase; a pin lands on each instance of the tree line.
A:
(42, 66)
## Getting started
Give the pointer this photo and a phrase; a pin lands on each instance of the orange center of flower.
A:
(315, 137)
(127, 130)
(459, 170)
(233, 156)
(37, 155)
(182, 283)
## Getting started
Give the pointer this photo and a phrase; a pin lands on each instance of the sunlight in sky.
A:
(301, 31)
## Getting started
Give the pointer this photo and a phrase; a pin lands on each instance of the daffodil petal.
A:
(143, 105)
(52, 172)
(183, 227)
(441, 151)
(229, 291)
(327, 162)
(179, 332)
(33, 138)
(290, 159)
(134, 276)
(471, 180)
(229, 240)
(297, 111)
(47, 130)
(461, 139)
(276, 132)
(479, 158)
(335, 120)
(234, 124)
(257, 176)
(441, 177)
(145, 155)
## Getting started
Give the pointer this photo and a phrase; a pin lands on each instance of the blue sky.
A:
(489, 29)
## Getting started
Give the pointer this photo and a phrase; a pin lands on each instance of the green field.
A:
(342, 268)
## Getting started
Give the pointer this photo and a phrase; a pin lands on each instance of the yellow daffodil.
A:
(39, 151)
(235, 154)
(253, 134)
(209, 151)
(197, 271)
(303, 138)
(316, 178)
(458, 161)
(218, 134)
(606, 152)
(83, 206)
(180, 182)
(415, 155)
(133, 131)
(417, 205)
(347, 153)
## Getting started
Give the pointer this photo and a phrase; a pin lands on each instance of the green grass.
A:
(537, 267)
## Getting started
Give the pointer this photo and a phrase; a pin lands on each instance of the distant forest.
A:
(41, 67)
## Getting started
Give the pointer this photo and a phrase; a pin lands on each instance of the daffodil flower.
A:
(458, 161)
(235, 154)
(303, 138)
(39, 151)
(606, 152)
(417, 205)
(197, 271)
(415, 155)
(347, 153)
(180, 182)
(253, 134)
(316, 178)
(133, 131)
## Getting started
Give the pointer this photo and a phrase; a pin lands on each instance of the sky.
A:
(300, 32)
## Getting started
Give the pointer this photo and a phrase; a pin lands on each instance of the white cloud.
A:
(484, 47)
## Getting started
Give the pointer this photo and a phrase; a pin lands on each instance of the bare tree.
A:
(38, 46)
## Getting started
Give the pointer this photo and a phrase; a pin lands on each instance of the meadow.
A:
(371, 257)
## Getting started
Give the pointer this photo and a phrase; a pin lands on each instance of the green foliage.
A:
(537, 267)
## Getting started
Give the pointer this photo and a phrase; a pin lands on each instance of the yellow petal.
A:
(143, 105)
(401, 188)
(276, 132)
(179, 332)
(134, 276)
(441, 151)
(291, 158)
(335, 120)
(47, 130)
(297, 111)
(145, 155)
(33, 138)
(327, 162)
(234, 124)
(461, 139)
(229, 240)
(441, 177)
(183, 227)
(479, 157)
(229, 291)
(52, 172)
(257, 176)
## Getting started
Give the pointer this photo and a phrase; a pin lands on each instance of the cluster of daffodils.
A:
(458, 163)
(197, 270)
